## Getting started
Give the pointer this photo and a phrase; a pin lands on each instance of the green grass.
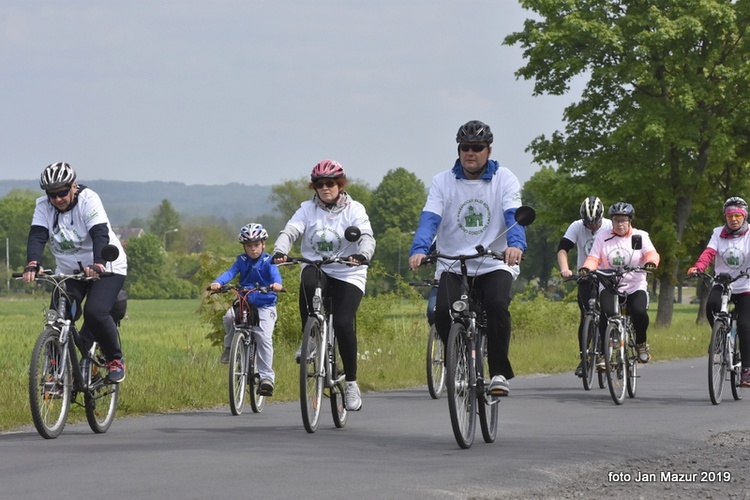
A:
(172, 367)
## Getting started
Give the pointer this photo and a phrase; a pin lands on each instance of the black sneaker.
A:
(225, 356)
(579, 370)
(116, 370)
(266, 387)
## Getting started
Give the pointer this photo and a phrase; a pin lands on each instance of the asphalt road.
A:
(399, 446)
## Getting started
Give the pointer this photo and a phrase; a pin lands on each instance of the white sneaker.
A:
(352, 396)
(498, 386)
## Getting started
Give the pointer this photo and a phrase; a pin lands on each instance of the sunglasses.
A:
(58, 194)
(474, 147)
(734, 216)
(329, 183)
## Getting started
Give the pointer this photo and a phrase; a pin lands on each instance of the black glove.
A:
(649, 266)
(359, 258)
(279, 255)
(31, 267)
(584, 270)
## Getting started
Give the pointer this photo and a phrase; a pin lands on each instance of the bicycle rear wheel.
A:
(101, 399)
(49, 389)
(615, 362)
(237, 372)
(257, 402)
(311, 374)
(435, 364)
(716, 361)
(588, 355)
(338, 408)
(462, 397)
(487, 405)
(631, 357)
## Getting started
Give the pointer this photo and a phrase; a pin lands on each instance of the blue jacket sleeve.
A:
(428, 224)
(517, 235)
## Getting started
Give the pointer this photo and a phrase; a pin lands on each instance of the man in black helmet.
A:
(472, 204)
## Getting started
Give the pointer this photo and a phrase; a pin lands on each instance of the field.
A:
(172, 367)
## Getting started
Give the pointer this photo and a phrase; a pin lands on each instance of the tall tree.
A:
(164, 221)
(664, 110)
(397, 202)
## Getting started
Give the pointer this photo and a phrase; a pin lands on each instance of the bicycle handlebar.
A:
(237, 288)
(481, 252)
(321, 262)
(722, 279)
(51, 277)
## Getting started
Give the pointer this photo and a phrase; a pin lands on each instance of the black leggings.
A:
(637, 303)
(492, 290)
(742, 313)
(98, 324)
(344, 299)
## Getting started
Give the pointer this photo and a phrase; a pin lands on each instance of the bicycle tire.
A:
(257, 401)
(588, 354)
(602, 379)
(738, 392)
(631, 354)
(487, 405)
(336, 393)
(101, 399)
(615, 362)
(716, 361)
(237, 382)
(435, 364)
(462, 398)
(312, 376)
(49, 393)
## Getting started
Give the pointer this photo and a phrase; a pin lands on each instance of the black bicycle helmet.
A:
(622, 208)
(592, 210)
(474, 131)
(57, 175)
(735, 201)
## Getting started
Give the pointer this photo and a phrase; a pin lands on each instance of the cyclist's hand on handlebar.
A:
(94, 270)
(279, 257)
(566, 273)
(416, 260)
(693, 270)
(513, 256)
(358, 258)
(214, 286)
(584, 270)
(30, 271)
(649, 266)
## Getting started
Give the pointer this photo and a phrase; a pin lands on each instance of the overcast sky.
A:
(257, 92)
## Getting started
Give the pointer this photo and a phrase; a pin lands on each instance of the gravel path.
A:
(715, 470)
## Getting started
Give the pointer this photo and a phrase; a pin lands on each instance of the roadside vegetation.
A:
(173, 363)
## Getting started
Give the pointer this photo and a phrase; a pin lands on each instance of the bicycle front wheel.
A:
(257, 402)
(435, 364)
(716, 362)
(49, 387)
(737, 389)
(237, 372)
(588, 354)
(615, 362)
(462, 397)
(338, 407)
(632, 361)
(311, 374)
(101, 398)
(487, 405)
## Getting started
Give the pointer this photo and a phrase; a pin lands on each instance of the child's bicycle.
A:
(243, 355)
(57, 376)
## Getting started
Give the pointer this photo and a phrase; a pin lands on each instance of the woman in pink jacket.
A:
(614, 250)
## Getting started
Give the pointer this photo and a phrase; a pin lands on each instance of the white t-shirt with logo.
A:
(583, 238)
(323, 236)
(471, 214)
(69, 241)
(732, 256)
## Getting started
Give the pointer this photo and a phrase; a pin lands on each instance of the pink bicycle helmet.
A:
(252, 232)
(327, 169)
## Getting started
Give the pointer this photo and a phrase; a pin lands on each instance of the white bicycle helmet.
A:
(252, 232)
(57, 175)
(592, 210)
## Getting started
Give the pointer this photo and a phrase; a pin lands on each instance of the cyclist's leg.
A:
(97, 321)
(431, 299)
(638, 312)
(742, 312)
(448, 291)
(345, 302)
(307, 284)
(494, 290)
(264, 342)
(607, 306)
(713, 304)
(228, 320)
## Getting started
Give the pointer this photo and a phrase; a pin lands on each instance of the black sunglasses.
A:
(59, 194)
(474, 147)
(329, 183)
